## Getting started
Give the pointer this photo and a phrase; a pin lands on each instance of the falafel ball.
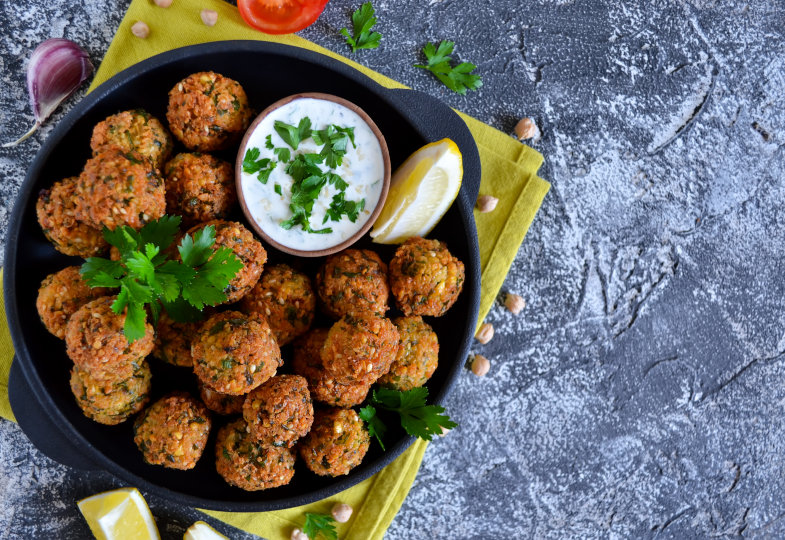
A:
(307, 361)
(248, 249)
(286, 299)
(61, 294)
(208, 111)
(279, 411)
(111, 402)
(417, 358)
(234, 352)
(95, 341)
(133, 131)
(248, 464)
(56, 212)
(173, 431)
(337, 442)
(425, 278)
(173, 340)
(199, 187)
(119, 188)
(360, 348)
(221, 403)
(353, 281)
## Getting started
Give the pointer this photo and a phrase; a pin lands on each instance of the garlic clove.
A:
(57, 68)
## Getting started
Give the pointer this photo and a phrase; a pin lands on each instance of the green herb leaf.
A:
(316, 524)
(376, 427)
(363, 19)
(135, 318)
(292, 135)
(417, 418)
(160, 232)
(268, 142)
(340, 207)
(195, 251)
(100, 272)
(283, 154)
(277, 189)
(459, 78)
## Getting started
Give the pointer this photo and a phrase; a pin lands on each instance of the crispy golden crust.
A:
(199, 187)
(56, 212)
(110, 402)
(360, 349)
(95, 341)
(61, 294)
(248, 464)
(117, 189)
(248, 249)
(425, 278)
(351, 282)
(337, 442)
(280, 411)
(417, 358)
(324, 388)
(173, 341)
(173, 431)
(221, 403)
(208, 111)
(234, 353)
(133, 131)
(286, 299)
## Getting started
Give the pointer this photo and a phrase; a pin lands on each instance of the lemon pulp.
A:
(421, 192)
(119, 514)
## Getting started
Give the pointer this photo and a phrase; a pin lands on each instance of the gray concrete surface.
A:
(641, 393)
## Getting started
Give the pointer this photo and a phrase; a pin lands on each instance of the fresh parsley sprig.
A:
(459, 78)
(417, 418)
(252, 164)
(363, 19)
(316, 524)
(147, 277)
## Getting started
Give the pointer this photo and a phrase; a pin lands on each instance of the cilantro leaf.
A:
(292, 135)
(277, 189)
(417, 418)
(100, 272)
(134, 327)
(125, 239)
(335, 140)
(251, 160)
(268, 142)
(195, 251)
(459, 78)
(376, 427)
(316, 524)
(363, 19)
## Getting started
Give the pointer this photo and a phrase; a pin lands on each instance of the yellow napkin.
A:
(509, 172)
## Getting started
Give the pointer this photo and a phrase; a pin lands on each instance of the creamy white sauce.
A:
(362, 168)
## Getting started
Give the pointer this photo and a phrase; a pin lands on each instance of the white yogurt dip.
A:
(362, 169)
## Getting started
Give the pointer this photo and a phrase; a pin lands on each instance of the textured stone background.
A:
(641, 393)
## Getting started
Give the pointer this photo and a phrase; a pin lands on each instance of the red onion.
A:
(57, 68)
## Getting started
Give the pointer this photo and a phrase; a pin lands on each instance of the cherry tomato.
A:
(280, 16)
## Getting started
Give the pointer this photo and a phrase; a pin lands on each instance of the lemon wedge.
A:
(202, 531)
(421, 192)
(119, 514)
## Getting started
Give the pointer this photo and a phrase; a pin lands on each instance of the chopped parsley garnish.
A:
(417, 418)
(307, 174)
(293, 135)
(363, 19)
(340, 207)
(261, 167)
(316, 524)
(146, 276)
(459, 78)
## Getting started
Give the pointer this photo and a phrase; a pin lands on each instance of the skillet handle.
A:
(441, 119)
(38, 426)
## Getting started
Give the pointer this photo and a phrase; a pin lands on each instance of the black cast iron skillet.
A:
(39, 389)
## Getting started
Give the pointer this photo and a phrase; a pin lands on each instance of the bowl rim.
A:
(399, 99)
(238, 173)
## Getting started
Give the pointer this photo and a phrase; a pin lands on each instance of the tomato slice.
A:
(280, 16)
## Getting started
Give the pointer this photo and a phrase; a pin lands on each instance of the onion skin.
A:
(57, 68)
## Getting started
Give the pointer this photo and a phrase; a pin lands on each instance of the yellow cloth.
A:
(509, 172)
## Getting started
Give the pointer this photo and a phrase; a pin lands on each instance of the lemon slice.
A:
(119, 514)
(421, 191)
(202, 531)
